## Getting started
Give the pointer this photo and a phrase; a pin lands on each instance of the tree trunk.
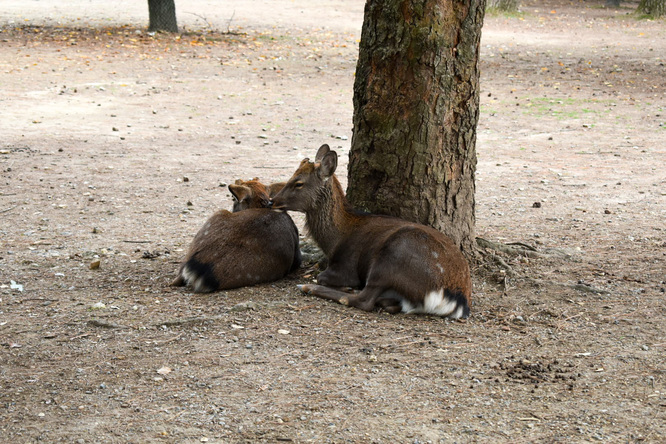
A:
(162, 16)
(653, 8)
(416, 106)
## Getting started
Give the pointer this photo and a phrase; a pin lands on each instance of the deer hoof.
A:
(307, 289)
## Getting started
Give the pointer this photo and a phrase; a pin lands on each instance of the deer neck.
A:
(330, 218)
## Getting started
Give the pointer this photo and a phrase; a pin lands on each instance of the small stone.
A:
(536, 205)
(244, 306)
(94, 265)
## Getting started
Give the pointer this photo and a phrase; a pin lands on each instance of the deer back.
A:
(246, 247)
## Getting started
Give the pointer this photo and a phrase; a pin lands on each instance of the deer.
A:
(395, 265)
(247, 246)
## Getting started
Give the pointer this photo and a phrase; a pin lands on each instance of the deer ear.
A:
(328, 164)
(322, 152)
(238, 181)
(240, 192)
(275, 188)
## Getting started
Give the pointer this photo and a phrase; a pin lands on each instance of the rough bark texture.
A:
(162, 16)
(416, 106)
(653, 8)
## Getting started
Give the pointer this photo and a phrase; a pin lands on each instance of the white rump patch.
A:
(434, 303)
(194, 280)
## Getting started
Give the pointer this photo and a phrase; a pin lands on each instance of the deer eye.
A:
(298, 185)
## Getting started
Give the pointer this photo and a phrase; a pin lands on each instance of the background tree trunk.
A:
(162, 16)
(416, 106)
(653, 8)
(504, 5)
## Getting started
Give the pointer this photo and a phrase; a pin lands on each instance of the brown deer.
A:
(399, 266)
(245, 247)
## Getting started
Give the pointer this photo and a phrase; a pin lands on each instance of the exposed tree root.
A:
(104, 324)
(518, 249)
(186, 321)
(578, 287)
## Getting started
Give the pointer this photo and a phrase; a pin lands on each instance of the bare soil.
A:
(115, 146)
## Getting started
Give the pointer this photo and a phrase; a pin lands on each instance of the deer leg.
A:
(336, 277)
(331, 294)
(365, 300)
(389, 305)
(178, 282)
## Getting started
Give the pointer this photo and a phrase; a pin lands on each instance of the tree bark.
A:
(162, 16)
(416, 107)
(653, 8)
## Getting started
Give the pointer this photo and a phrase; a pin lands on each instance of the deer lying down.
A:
(247, 247)
(399, 266)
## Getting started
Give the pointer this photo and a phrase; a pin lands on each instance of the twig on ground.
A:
(578, 287)
(233, 14)
(104, 324)
(6, 210)
(82, 335)
(193, 320)
(202, 18)
(166, 341)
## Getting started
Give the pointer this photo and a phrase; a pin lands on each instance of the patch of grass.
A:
(566, 108)
(497, 12)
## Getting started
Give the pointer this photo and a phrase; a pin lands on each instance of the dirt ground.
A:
(116, 146)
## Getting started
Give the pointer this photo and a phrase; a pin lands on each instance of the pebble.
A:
(244, 306)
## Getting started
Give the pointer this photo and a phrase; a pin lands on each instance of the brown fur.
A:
(395, 263)
(249, 246)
